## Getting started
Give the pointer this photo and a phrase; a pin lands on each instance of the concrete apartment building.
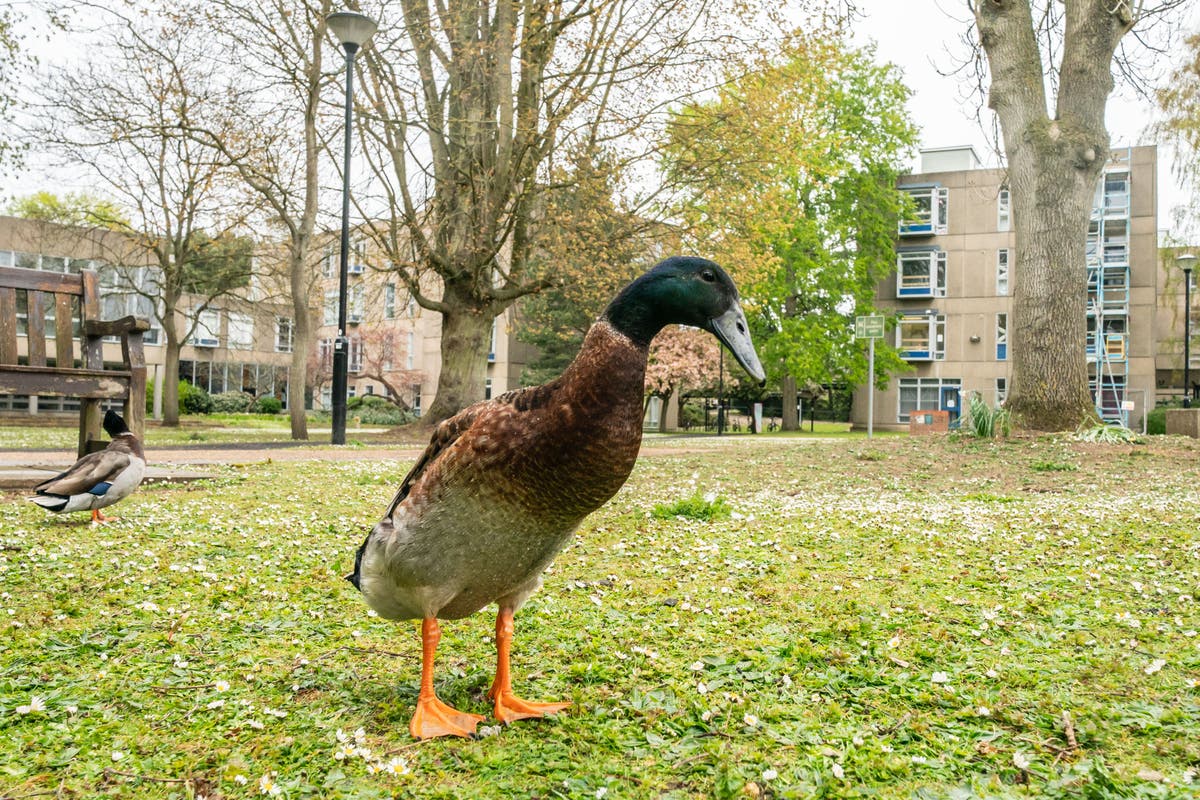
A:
(952, 289)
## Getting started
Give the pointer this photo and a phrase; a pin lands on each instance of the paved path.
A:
(21, 470)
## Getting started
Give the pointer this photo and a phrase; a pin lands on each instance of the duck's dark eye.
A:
(708, 276)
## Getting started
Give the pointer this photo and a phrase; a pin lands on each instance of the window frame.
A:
(935, 337)
(935, 259)
(1002, 336)
(935, 221)
(233, 319)
(1004, 209)
(1003, 270)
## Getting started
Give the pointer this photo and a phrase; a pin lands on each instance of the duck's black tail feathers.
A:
(50, 502)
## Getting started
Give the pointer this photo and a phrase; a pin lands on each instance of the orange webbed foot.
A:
(434, 718)
(100, 519)
(510, 708)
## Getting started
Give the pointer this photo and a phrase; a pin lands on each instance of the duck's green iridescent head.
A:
(684, 290)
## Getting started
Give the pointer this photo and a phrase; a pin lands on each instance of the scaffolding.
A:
(1108, 290)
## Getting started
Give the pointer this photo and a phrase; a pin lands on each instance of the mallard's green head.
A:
(684, 290)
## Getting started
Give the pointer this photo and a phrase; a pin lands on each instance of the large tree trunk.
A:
(171, 367)
(466, 334)
(301, 344)
(1054, 164)
(1052, 203)
(789, 420)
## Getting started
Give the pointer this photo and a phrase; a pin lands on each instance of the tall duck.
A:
(505, 483)
(97, 480)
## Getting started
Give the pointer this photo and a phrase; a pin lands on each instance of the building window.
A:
(1116, 242)
(487, 389)
(1002, 337)
(411, 308)
(330, 262)
(492, 344)
(354, 312)
(930, 212)
(923, 394)
(354, 355)
(331, 309)
(389, 301)
(325, 353)
(1001, 390)
(241, 332)
(1003, 256)
(416, 399)
(922, 337)
(409, 347)
(283, 335)
(921, 273)
(1004, 209)
(1116, 194)
(387, 353)
(207, 330)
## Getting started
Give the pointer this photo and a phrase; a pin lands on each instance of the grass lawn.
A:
(901, 618)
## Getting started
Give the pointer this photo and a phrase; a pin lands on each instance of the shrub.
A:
(371, 409)
(691, 416)
(694, 507)
(267, 404)
(1156, 421)
(983, 421)
(193, 399)
(231, 403)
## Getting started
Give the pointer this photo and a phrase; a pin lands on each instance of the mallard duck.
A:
(504, 483)
(97, 480)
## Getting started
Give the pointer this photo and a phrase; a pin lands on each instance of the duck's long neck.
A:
(609, 372)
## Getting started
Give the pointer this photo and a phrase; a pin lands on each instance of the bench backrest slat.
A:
(63, 334)
(36, 328)
(39, 281)
(8, 325)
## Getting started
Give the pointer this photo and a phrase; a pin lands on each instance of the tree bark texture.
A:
(789, 420)
(466, 334)
(1054, 164)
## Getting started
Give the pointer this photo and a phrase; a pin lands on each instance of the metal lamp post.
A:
(1186, 261)
(352, 30)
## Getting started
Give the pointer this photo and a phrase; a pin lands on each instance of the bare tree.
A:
(1051, 68)
(466, 105)
(118, 117)
(279, 49)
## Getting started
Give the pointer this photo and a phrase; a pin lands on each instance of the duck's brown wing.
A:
(445, 434)
(85, 474)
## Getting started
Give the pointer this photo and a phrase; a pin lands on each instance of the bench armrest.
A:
(115, 327)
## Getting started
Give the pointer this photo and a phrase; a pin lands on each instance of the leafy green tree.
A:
(73, 208)
(793, 171)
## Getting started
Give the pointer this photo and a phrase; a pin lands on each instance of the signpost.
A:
(870, 328)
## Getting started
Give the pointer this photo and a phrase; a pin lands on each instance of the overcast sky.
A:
(922, 36)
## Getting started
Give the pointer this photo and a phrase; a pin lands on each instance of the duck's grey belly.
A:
(455, 558)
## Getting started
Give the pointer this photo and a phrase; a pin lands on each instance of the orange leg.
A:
(433, 717)
(509, 707)
(97, 517)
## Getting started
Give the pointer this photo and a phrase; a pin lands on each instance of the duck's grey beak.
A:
(734, 333)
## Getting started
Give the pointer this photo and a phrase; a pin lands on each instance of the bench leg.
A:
(89, 426)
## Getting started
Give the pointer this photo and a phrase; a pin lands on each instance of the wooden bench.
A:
(71, 298)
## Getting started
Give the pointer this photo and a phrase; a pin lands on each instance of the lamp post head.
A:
(1186, 261)
(352, 29)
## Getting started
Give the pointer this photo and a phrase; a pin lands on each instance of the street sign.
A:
(869, 327)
